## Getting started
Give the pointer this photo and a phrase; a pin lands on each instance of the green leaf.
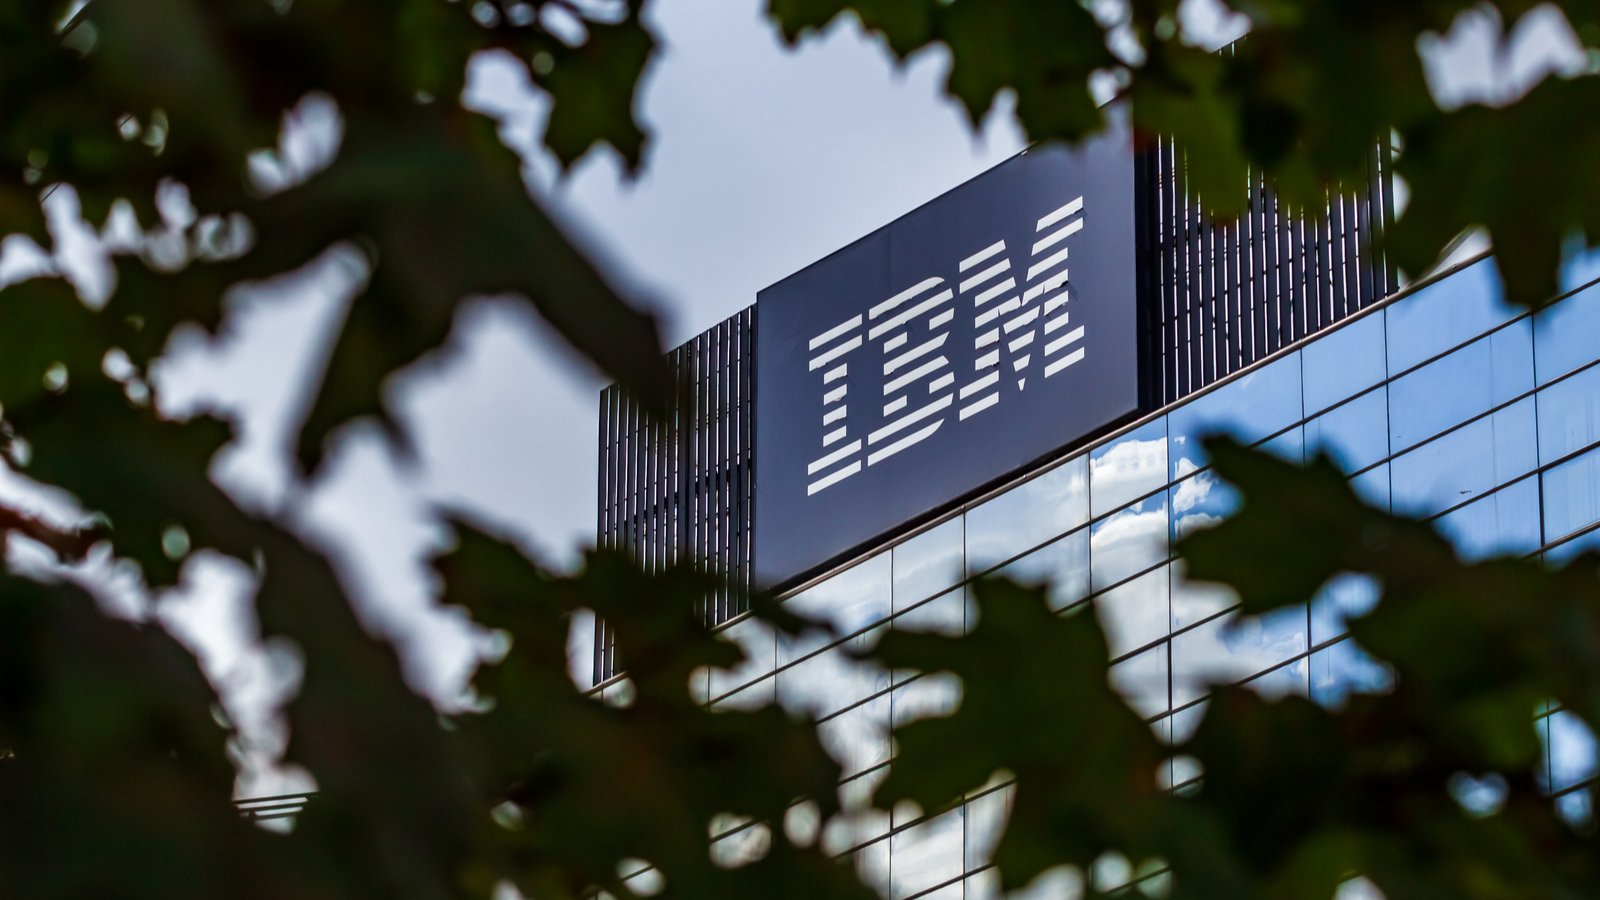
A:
(593, 88)
(1035, 705)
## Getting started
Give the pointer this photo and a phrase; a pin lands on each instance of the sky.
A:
(763, 159)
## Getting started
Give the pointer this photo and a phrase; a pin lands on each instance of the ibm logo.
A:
(1021, 323)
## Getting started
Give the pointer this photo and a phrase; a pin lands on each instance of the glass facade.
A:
(1443, 403)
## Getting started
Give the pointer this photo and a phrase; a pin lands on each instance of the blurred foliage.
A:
(116, 762)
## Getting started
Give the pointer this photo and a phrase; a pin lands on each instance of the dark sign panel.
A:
(956, 345)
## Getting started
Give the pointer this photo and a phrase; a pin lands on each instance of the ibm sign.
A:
(953, 347)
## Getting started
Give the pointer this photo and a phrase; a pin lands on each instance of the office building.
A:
(1436, 398)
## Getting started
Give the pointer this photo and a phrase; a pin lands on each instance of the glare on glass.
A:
(1129, 467)
(928, 563)
(1028, 515)
(1062, 566)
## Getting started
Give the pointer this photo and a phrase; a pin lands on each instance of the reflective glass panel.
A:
(1372, 486)
(872, 865)
(1290, 445)
(1343, 362)
(1572, 751)
(1193, 601)
(1453, 469)
(1564, 551)
(1128, 542)
(1344, 597)
(1201, 500)
(944, 614)
(1579, 267)
(928, 854)
(1569, 415)
(1028, 515)
(1344, 669)
(924, 697)
(763, 692)
(1289, 679)
(828, 681)
(1135, 613)
(1128, 467)
(1356, 434)
(1505, 522)
(858, 738)
(1566, 335)
(986, 819)
(1453, 311)
(742, 846)
(1249, 408)
(849, 601)
(1062, 565)
(928, 563)
(1232, 648)
(1485, 373)
(1572, 495)
(1142, 681)
(760, 646)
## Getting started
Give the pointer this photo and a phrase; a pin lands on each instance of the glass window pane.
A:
(1231, 648)
(763, 692)
(1580, 267)
(985, 885)
(1129, 467)
(986, 821)
(829, 681)
(1250, 408)
(1063, 566)
(872, 865)
(1466, 462)
(928, 854)
(1128, 542)
(1449, 312)
(858, 738)
(760, 645)
(1566, 335)
(1445, 392)
(1343, 362)
(746, 845)
(1193, 601)
(1561, 553)
(1504, 523)
(1572, 751)
(1356, 434)
(1135, 613)
(849, 601)
(1569, 415)
(1289, 679)
(923, 697)
(1572, 495)
(928, 563)
(1290, 445)
(1028, 514)
(1372, 486)
(944, 614)
(1344, 597)
(1142, 681)
(1344, 669)
(1201, 500)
